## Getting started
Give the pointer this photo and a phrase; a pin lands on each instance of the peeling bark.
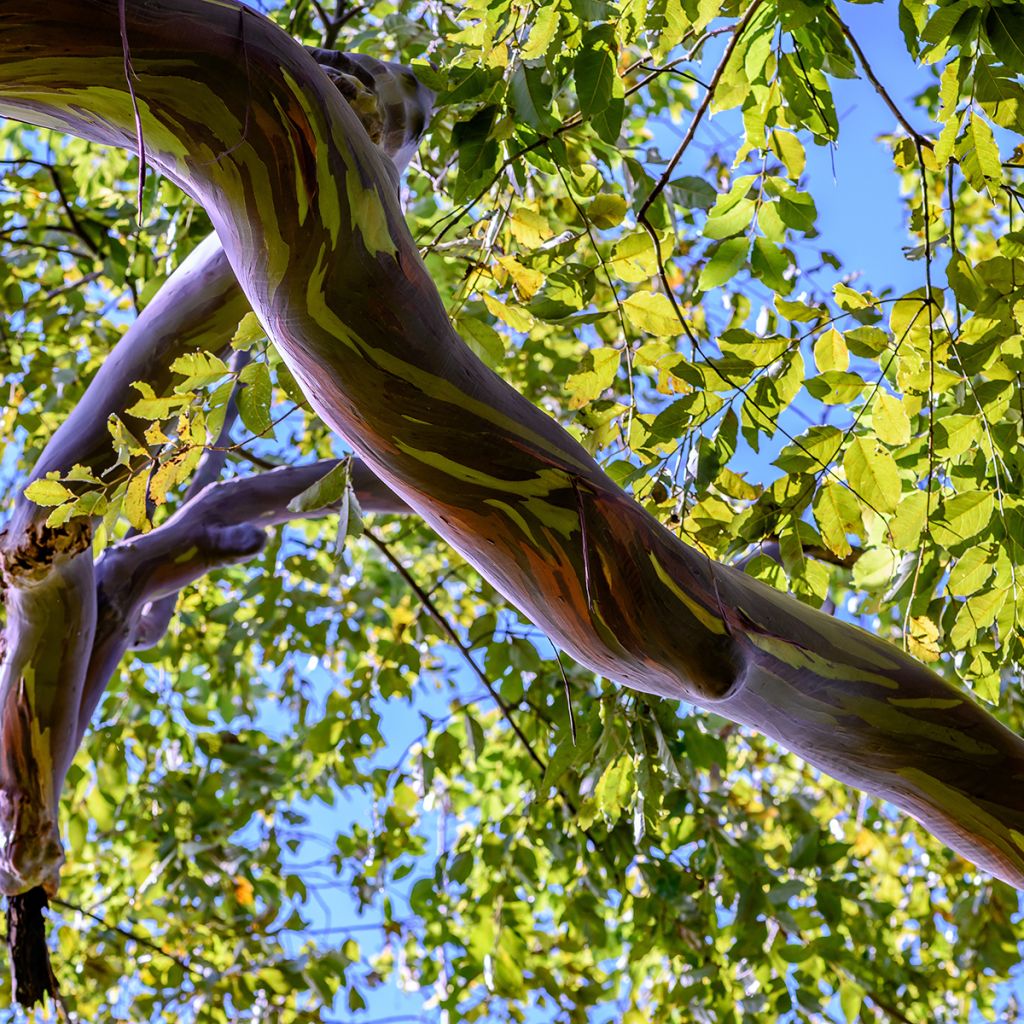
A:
(310, 224)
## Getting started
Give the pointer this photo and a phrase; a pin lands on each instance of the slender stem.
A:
(456, 640)
(921, 140)
(701, 110)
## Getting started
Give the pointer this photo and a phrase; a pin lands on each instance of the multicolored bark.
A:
(245, 121)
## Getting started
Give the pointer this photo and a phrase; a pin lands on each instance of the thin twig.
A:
(129, 74)
(127, 933)
(456, 640)
(919, 139)
(699, 113)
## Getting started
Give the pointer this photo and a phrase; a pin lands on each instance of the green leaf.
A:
(851, 996)
(1001, 98)
(254, 398)
(249, 332)
(595, 70)
(797, 210)
(872, 473)
(812, 451)
(971, 572)
(724, 263)
(735, 218)
(962, 517)
(478, 152)
(788, 148)
(326, 491)
(979, 154)
(1004, 25)
(531, 97)
(694, 193)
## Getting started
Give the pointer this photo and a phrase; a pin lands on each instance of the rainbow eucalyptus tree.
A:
(298, 177)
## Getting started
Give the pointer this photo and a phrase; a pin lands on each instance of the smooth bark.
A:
(310, 224)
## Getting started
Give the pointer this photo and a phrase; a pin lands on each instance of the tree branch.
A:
(340, 287)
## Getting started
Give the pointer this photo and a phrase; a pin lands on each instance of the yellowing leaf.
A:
(150, 407)
(830, 351)
(651, 312)
(849, 299)
(634, 259)
(529, 227)
(837, 514)
(599, 369)
(199, 369)
(518, 319)
(923, 639)
(890, 419)
(606, 210)
(871, 472)
(135, 498)
(47, 492)
(527, 281)
(545, 25)
(979, 154)
(906, 527)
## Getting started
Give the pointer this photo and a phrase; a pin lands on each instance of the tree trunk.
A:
(306, 210)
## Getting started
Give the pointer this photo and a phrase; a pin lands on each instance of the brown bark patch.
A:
(40, 548)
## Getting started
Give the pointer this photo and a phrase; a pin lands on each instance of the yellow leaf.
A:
(651, 312)
(135, 502)
(517, 319)
(47, 492)
(923, 639)
(830, 352)
(527, 281)
(244, 891)
(154, 435)
(529, 227)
